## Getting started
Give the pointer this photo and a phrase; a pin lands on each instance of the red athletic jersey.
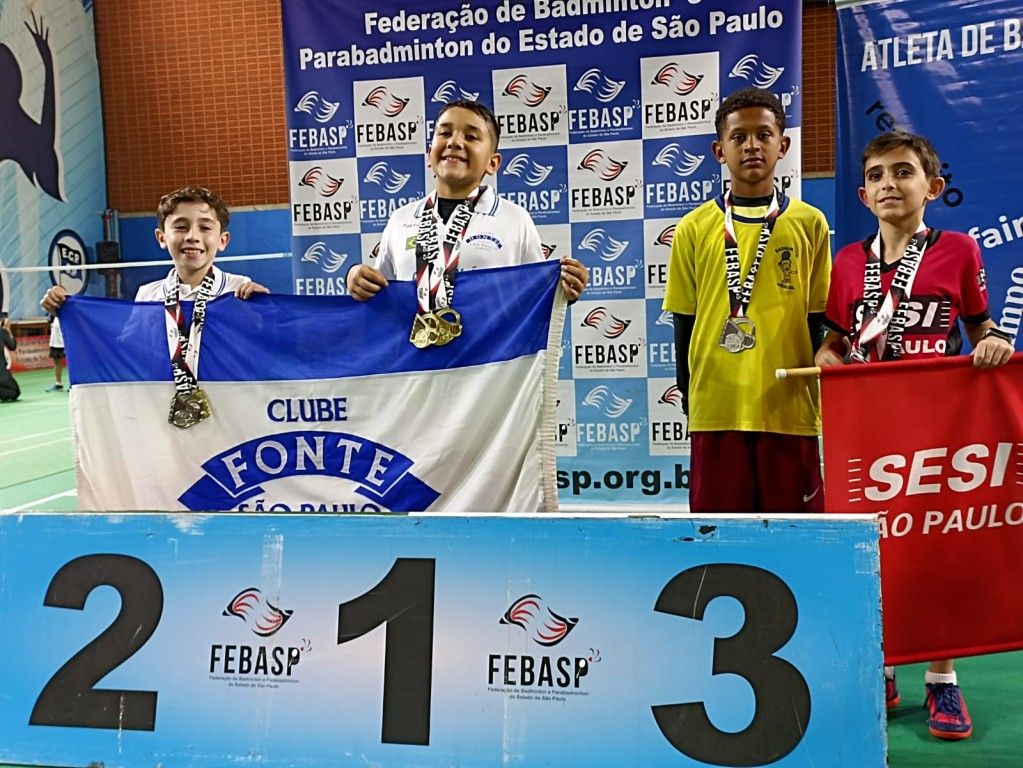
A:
(949, 285)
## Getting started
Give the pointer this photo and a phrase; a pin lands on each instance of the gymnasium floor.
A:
(36, 473)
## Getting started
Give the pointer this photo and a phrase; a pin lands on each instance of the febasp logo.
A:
(531, 173)
(612, 415)
(606, 401)
(606, 181)
(674, 77)
(537, 180)
(669, 428)
(323, 199)
(322, 182)
(680, 95)
(599, 86)
(606, 324)
(548, 249)
(665, 236)
(756, 71)
(323, 135)
(603, 107)
(529, 92)
(329, 261)
(541, 624)
(241, 665)
(602, 245)
(262, 617)
(450, 90)
(614, 262)
(671, 396)
(531, 677)
(609, 339)
(389, 116)
(386, 177)
(600, 163)
(383, 99)
(530, 104)
(679, 161)
(320, 109)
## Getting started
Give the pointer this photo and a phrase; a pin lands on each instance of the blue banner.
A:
(423, 641)
(52, 172)
(606, 111)
(953, 72)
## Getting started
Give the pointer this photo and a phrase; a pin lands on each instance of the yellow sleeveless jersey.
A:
(738, 390)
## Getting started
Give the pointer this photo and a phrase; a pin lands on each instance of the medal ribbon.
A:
(183, 340)
(740, 291)
(881, 328)
(435, 276)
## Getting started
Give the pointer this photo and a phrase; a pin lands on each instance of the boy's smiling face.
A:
(751, 145)
(193, 235)
(462, 152)
(896, 188)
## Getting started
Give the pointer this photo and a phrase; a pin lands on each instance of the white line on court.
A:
(31, 504)
(37, 445)
(34, 435)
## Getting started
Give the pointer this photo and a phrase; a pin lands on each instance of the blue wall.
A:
(252, 232)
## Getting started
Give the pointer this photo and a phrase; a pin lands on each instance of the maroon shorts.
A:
(755, 472)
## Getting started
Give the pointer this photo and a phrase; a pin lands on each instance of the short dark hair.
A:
(482, 110)
(749, 97)
(172, 200)
(886, 142)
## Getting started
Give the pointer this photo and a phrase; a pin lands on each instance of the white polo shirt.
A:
(500, 234)
(223, 282)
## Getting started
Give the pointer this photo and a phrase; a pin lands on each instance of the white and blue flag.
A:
(322, 404)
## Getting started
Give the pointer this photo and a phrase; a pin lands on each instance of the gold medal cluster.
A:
(436, 328)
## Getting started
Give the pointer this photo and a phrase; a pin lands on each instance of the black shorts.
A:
(56, 353)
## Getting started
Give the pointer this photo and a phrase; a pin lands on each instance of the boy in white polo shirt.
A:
(462, 224)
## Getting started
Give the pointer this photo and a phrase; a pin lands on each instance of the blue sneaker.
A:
(948, 717)
(891, 692)
(55, 388)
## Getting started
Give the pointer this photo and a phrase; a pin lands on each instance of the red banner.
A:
(936, 448)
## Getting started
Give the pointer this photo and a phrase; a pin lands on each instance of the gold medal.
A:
(449, 325)
(436, 328)
(424, 331)
(189, 408)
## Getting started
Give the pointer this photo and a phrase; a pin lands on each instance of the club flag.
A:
(936, 448)
(322, 404)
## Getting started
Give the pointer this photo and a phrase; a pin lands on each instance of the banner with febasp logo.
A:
(948, 484)
(606, 111)
(426, 641)
(323, 404)
(951, 71)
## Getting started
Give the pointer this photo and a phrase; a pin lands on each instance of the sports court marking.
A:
(36, 502)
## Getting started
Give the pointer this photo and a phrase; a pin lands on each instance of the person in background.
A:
(9, 389)
(56, 354)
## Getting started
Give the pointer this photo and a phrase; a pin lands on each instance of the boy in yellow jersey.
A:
(748, 285)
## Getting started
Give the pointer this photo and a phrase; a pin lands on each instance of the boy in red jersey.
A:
(899, 295)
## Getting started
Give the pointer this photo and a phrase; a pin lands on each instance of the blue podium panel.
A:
(281, 641)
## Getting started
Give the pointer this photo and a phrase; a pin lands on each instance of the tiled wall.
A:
(818, 90)
(193, 93)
